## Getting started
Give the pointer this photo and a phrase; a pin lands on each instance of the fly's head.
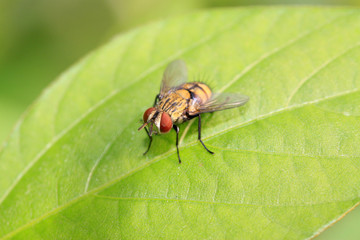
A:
(161, 119)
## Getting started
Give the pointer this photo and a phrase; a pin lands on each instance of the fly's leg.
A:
(176, 128)
(157, 98)
(149, 142)
(199, 136)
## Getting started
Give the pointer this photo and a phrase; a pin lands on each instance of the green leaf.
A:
(286, 165)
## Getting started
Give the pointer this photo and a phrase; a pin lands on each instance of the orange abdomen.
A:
(201, 93)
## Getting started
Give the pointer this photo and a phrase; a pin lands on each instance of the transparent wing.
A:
(222, 101)
(175, 74)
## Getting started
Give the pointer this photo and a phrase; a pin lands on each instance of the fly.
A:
(179, 101)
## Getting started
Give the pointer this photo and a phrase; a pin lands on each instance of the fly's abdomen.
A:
(200, 92)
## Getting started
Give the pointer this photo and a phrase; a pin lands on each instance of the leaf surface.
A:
(285, 166)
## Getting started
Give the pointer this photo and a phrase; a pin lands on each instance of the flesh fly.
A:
(180, 101)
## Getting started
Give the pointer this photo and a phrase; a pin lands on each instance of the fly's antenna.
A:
(145, 124)
(148, 121)
(142, 126)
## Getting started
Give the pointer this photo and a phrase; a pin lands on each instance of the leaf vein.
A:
(106, 149)
(317, 70)
(282, 154)
(264, 57)
(308, 204)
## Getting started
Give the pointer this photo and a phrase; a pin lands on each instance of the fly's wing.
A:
(222, 101)
(175, 74)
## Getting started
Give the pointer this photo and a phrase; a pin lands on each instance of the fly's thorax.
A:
(174, 104)
(185, 99)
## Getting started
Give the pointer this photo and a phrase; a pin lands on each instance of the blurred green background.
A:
(39, 39)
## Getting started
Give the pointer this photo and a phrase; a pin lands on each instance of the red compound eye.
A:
(165, 123)
(147, 114)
